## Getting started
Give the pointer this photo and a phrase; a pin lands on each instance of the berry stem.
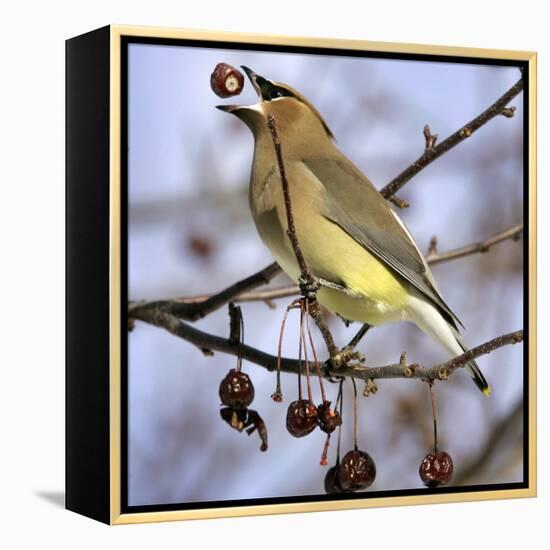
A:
(300, 366)
(304, 344)
(327, 441)
(278, 395)
(340, 401)
(325, 451)
(434, 414)
(236, 329)
(355, 415)
(240, 359)
(315, 358)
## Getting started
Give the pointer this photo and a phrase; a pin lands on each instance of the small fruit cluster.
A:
(357, 470)
(302, 417)
(236, 391)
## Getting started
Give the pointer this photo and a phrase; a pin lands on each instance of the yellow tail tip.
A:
(487, 391)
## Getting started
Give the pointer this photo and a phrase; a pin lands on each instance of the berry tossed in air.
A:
(301, 417)
(236, 389)
(328, 419)
(226, 81)
(436, 469)
(357, 471)
(332, 484)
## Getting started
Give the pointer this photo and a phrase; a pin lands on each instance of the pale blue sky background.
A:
(189, 166)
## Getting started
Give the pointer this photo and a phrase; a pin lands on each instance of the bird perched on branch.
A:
(353, 242)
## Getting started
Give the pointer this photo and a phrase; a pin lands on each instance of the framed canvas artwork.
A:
(300, 274)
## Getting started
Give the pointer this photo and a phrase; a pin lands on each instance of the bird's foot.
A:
(309, 287)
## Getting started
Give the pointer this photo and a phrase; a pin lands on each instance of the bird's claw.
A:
(309, 287)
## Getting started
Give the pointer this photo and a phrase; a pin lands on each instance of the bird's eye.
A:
(274, 93)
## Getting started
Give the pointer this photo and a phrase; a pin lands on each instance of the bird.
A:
(370, 268)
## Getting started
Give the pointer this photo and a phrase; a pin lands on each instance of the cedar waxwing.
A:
(370, 268)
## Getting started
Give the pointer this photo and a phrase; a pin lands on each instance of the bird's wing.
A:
(354, 204)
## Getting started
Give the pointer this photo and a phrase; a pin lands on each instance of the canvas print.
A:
(325, 275)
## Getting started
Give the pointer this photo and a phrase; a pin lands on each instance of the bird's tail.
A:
(432, 322)
(475, 372)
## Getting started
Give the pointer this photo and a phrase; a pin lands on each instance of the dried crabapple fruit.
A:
(332, 483)
(328, 419)
(226, 81)
(236, 389)
(301, 417)
(357, 471)
(436, 469)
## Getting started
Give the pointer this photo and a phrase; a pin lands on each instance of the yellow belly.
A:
(377, 294)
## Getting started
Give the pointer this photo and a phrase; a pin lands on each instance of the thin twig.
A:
(400, 203)
(431, 154)
(317, 315)
(309, 284)
(291, 231)
(513, 233)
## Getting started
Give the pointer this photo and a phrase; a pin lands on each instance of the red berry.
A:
(301, 418)
(436, 469)
(236, 389)
(226, 81)
(357, 471)
(328, 419)
(332, 484)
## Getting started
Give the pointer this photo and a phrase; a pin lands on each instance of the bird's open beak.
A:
(228, 108)
(253, 77)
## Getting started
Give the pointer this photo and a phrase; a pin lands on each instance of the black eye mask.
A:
(270, 91)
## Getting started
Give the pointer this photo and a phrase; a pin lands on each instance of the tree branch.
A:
(193, 309)
(435, 151)
(206, 341)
